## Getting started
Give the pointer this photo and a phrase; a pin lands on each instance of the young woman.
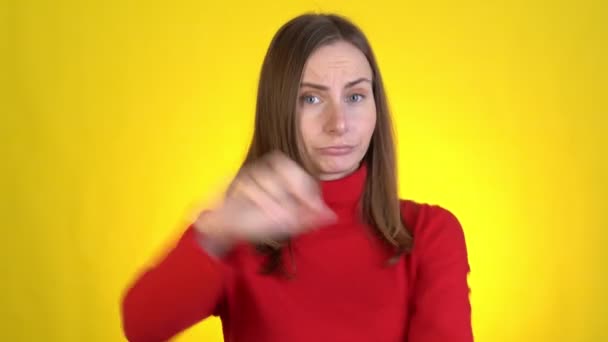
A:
(311, 242)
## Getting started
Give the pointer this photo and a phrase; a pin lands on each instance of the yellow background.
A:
(120, 119)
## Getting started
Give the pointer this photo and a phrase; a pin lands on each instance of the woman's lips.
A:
(336, 150)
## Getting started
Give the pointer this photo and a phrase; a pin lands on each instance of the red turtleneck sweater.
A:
(342, 289)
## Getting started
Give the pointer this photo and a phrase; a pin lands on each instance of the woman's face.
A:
(336, 109)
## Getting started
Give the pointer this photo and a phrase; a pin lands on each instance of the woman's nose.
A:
(335, 120)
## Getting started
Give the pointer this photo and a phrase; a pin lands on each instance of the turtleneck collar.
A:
(345, 192)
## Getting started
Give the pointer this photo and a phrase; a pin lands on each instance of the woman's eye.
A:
(310, 99)
(355, 98)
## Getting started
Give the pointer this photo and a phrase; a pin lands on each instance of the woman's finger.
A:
(296, 181)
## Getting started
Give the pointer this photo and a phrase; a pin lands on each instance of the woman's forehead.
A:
(338, 62)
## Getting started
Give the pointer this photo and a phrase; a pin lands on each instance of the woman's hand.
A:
(272, 198)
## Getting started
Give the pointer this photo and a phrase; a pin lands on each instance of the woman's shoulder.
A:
(429, 220)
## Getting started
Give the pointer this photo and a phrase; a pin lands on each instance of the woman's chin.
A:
(336, 170)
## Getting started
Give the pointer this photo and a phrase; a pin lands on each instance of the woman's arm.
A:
(272, 197)
(181, 290)
(441, 307)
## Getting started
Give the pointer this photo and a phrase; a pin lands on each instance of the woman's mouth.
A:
(336, 150)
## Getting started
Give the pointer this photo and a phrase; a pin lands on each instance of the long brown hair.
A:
(276, 124)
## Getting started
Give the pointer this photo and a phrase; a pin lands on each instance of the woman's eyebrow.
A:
(357, 81)
(325, 88)
(313, 85)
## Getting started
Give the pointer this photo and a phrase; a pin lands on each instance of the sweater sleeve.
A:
(441, 307)
(182, 289)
